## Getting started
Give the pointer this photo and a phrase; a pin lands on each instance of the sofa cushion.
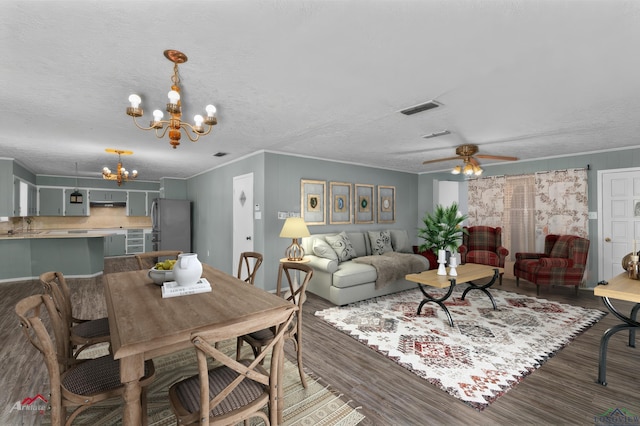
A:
(358, 243)
(380, 242)
(342, 246)
(350, 274)
(400, 241)
(322, 249)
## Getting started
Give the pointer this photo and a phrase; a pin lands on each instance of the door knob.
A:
(607, 240)
(249, 238)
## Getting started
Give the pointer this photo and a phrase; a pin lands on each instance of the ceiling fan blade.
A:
(474, 161)
(442, 159)
(497, 157)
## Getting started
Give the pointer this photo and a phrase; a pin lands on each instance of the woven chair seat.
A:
(248, 391)
(91, 329)
(97, 375)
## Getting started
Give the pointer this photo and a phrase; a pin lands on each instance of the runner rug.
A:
(316, 405)
(486, 352)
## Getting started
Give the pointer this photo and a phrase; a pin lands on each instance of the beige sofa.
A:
(351, 274)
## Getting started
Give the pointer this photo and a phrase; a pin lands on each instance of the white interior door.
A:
(619, 218)
(242, 217)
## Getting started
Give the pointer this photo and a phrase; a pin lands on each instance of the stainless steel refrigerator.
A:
(171, 221)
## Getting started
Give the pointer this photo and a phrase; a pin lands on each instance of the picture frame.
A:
(340, 203)
(364, 208)
(312, 201)
(386, 204)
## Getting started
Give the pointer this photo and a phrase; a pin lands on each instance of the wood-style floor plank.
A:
(562, 391)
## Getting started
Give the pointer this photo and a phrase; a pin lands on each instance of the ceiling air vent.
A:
(436, 134)
(219, 154)
(420, 107)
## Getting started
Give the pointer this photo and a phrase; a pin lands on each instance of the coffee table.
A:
(467, 273)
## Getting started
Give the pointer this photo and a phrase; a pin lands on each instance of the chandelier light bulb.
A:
(157, 115)
(211, 110)
(134, 173)
(174, 97)
(198, 119)
(106, 170)
(135, 100)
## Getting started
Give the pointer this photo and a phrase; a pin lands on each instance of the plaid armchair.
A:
(483, 244)
(563, 262)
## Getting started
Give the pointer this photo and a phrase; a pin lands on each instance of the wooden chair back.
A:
(248, 266)
(149, 259)
(232, 375)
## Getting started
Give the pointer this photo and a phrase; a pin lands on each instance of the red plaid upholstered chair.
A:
(562, 263)
(483, 245)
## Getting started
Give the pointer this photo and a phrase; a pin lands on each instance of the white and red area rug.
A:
(483, 355)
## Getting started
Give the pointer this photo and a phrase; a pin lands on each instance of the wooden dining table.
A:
(143, 325)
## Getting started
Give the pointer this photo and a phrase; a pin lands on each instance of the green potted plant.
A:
(442, 229)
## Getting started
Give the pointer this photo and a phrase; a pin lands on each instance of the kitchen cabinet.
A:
(135, 241)
(24, 198)
(137, 203)
(71, 209)
(51, 201)
(115, 245)
(102, 195)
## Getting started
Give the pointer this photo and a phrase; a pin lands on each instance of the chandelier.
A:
(174, 125)
(121, 174)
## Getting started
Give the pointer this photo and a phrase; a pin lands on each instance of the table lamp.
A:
(294, 227)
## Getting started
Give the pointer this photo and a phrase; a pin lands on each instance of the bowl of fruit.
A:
(162, 271)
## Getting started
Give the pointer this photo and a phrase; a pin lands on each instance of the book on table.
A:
(172, 289)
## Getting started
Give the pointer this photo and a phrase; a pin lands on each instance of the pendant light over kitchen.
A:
(76, 196)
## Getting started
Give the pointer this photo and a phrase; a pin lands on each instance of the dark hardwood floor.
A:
(562, 391)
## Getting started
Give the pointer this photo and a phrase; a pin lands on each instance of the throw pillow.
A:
(380, 242)
(400, 241)
(322, 249)
(342, 246)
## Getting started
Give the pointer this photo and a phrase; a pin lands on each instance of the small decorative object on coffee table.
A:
(442, 260)
(453, 263)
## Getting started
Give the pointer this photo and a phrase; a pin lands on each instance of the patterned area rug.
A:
(483, 355)
(316, 405)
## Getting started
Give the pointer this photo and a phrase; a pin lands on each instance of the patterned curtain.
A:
(486, 201)
(560, 206)
(562, 203)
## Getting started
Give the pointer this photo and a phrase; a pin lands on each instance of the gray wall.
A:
(277, 188)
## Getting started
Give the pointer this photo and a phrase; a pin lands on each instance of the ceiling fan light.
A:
(468, 169)
(478, 171)
(456, 170)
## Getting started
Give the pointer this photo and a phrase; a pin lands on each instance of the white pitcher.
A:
(188, 269)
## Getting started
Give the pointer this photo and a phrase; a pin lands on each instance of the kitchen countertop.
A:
(65, 233)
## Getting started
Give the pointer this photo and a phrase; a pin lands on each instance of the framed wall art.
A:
(312, 199)
(386, 204)
(339, 203)
(364, 208)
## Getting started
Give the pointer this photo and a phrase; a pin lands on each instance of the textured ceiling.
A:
(323, 79)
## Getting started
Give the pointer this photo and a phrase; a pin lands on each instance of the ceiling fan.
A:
(467, 153)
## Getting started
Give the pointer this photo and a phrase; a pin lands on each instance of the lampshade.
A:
(294, 227)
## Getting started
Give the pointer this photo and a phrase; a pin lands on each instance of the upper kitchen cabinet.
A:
(25, 198)
(98, 195)
(137, 203)
(75, 209)
(51, 202)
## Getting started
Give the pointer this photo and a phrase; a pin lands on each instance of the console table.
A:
(622, 288)
(467, 273)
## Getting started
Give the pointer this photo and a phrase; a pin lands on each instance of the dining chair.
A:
(149, 259)
(83, 333)
(295, 293)
(248, 266)
(74, 383)
(236, 390)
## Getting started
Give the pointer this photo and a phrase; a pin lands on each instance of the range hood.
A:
(108, 203)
